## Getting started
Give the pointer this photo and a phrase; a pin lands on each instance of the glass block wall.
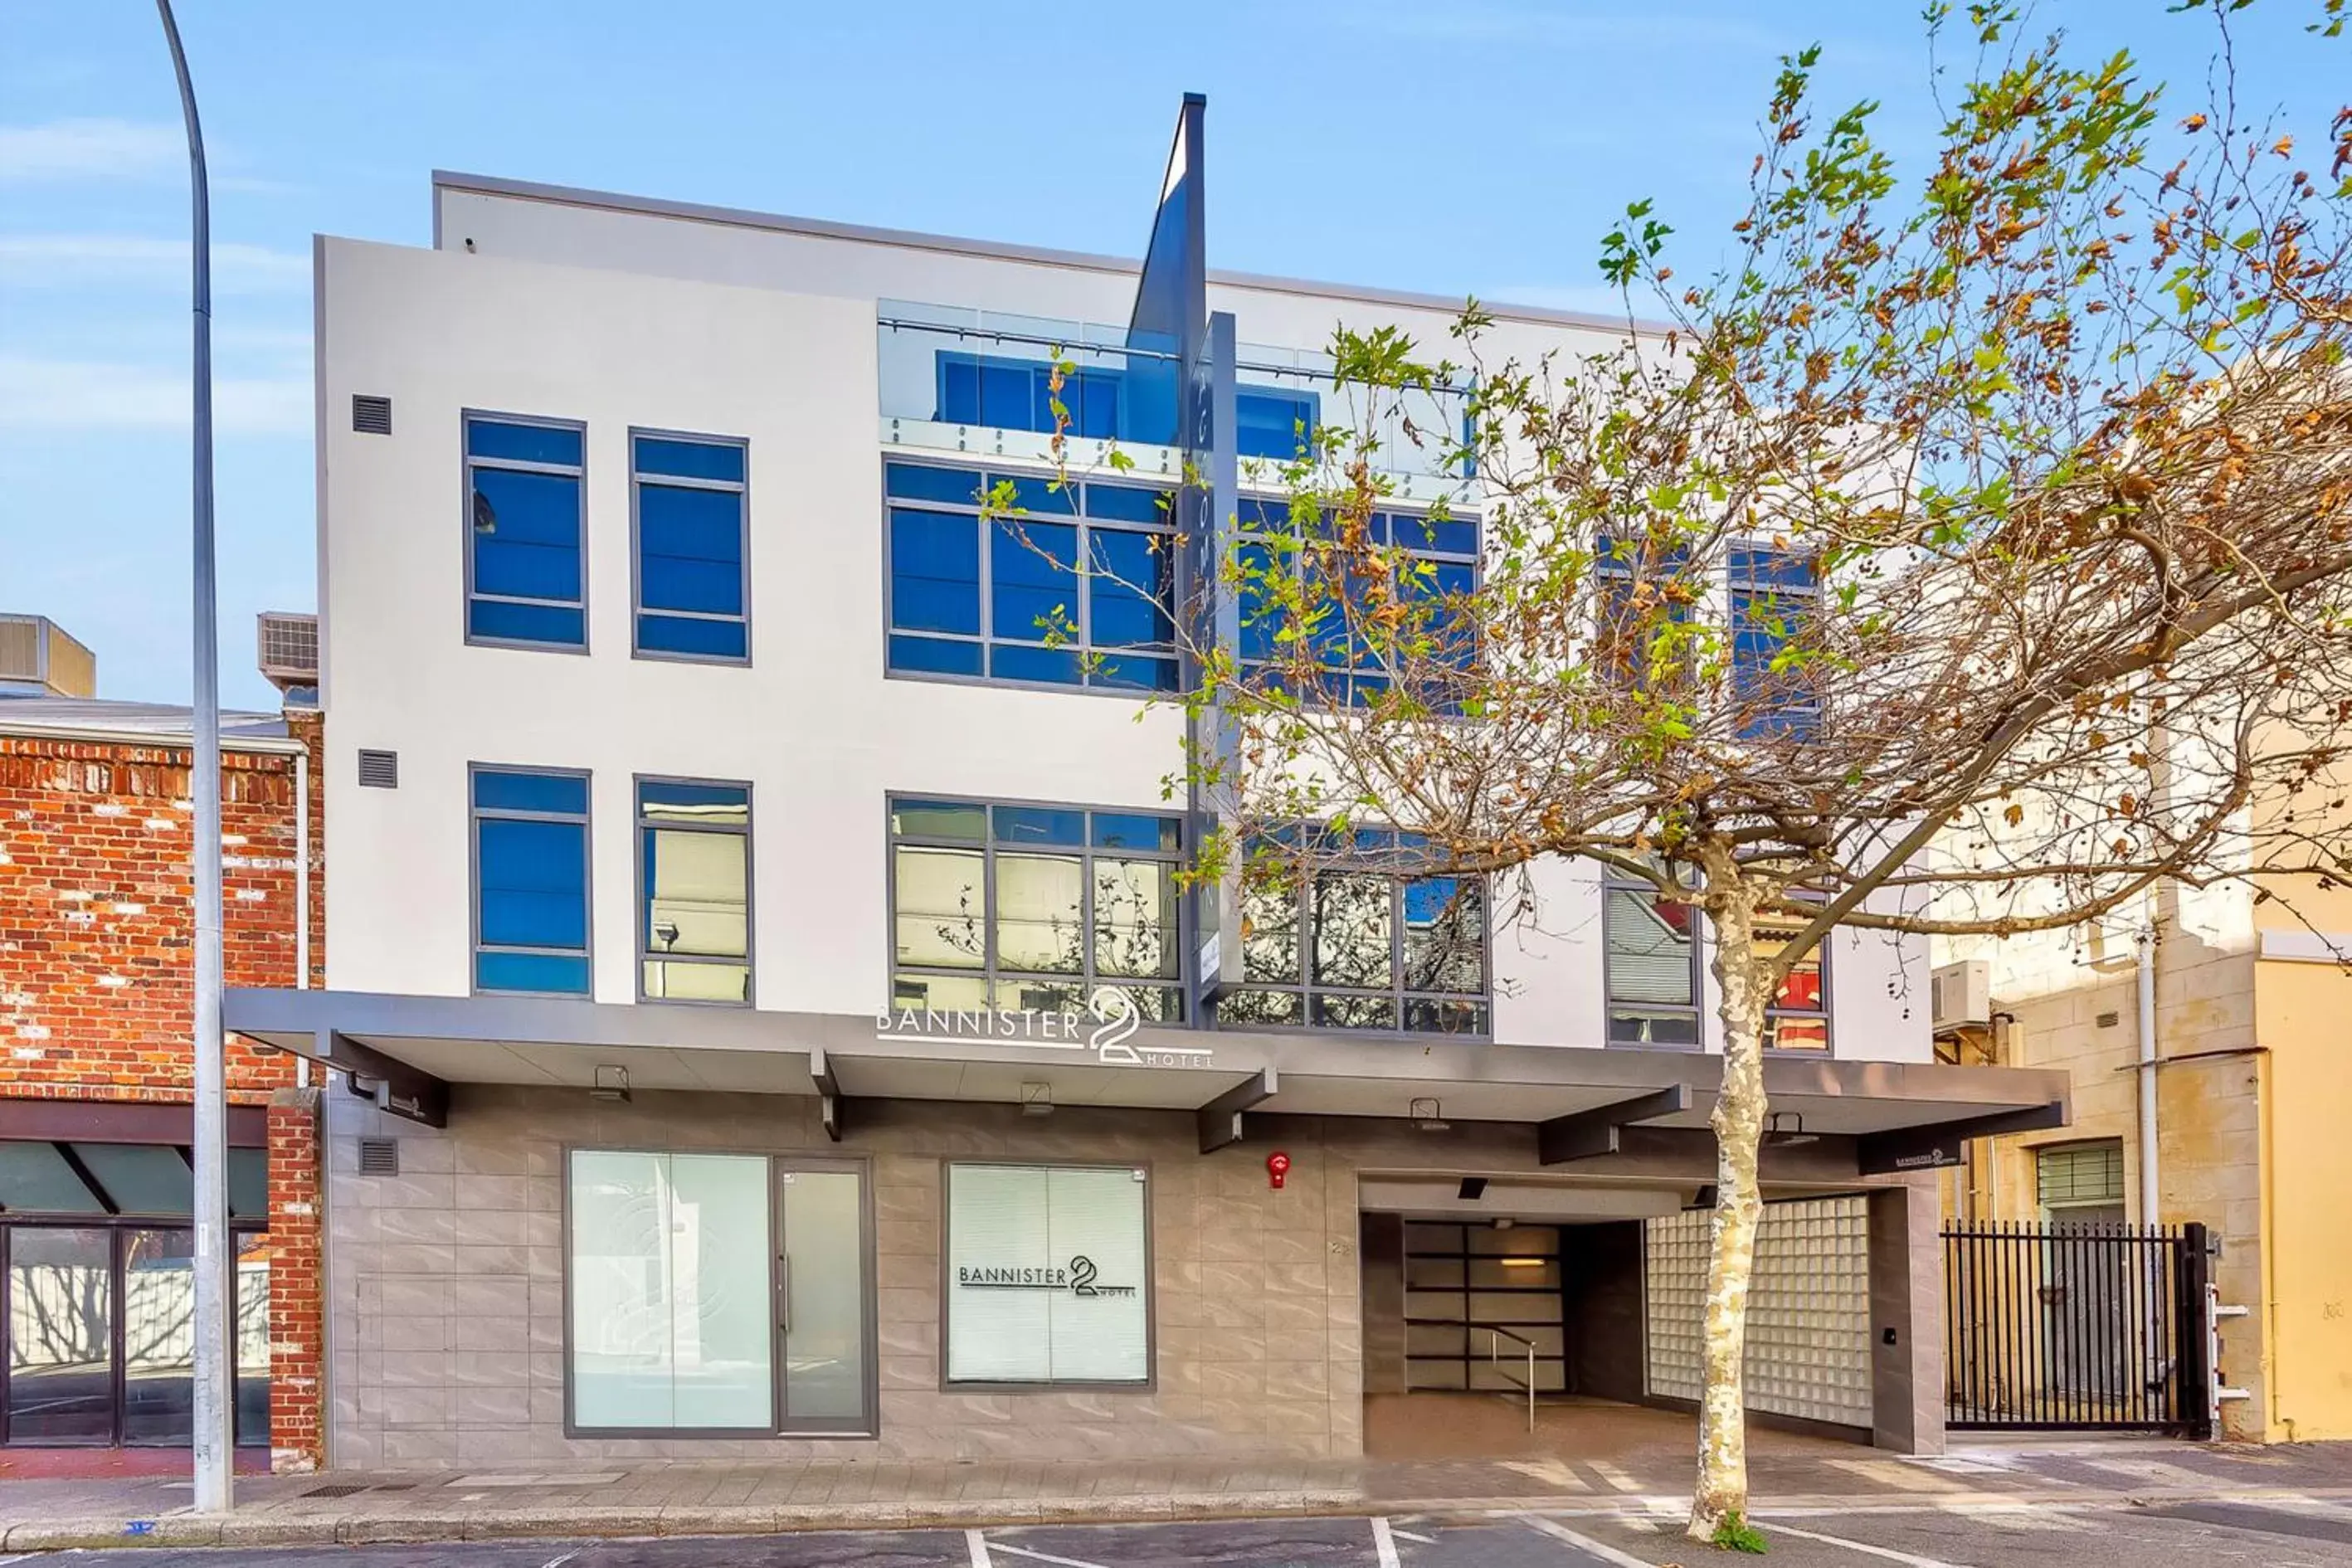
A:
(1808, 1309)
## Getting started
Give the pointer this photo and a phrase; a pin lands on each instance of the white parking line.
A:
(1038, 1556)
(561, 1559)
(1599, 1549)
(1384, 1544)
(1416, 1540)
(977, 1548)
(1907, 1559)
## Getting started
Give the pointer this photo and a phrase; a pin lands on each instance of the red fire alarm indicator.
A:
(1277, 1165)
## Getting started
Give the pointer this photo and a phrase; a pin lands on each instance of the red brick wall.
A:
(296, 1321)
(96, 982)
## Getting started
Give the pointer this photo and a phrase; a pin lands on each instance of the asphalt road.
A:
(2271, 1533)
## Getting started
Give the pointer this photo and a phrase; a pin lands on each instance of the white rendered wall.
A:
(812, 723)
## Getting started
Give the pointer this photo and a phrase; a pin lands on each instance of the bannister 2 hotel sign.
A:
(1105, 1032)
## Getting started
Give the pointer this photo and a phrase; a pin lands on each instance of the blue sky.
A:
(1446, 145)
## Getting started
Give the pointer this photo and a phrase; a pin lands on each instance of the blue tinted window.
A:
(1046, 666)
(934, 571)
(1772, 593)
(521, 443)
(1130, 503)
(531, 881)
(1010, 394)
(1116, 830)
(922, 482)
(1037, 492)
(1065, 598)
(1033, 581)
(689, 460)
(551, 793)
(691, 523)
(937, 655)
(1134, 581)
(1037, 824)
(526, 534)
(1422, 573)
(523, 533)
(1266, 422)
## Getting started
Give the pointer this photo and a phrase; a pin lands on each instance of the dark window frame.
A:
(1399, 997)
(578, 474)
(475, 815)
(741, 490)
(1082, 648)
(117, 1227)
(990, 973)
(865, 1426)
(645, 826)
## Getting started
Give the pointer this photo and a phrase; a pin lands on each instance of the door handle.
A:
(784, 1293)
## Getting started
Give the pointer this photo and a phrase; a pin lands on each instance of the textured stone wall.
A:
(448, 1328)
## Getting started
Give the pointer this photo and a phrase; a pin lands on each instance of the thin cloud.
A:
(90, 150)
(83, 395)
(75, 260)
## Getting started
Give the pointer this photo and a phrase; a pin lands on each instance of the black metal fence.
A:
(2075, 1327)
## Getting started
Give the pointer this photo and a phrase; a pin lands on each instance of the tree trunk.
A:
(1722, 1488)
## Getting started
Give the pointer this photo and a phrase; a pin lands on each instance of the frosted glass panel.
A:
(670, 1291)
(824, 1339)
(1098, 1324)
(1048, 1275)
(998, 1329)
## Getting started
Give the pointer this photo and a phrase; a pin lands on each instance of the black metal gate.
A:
(2075, 1328)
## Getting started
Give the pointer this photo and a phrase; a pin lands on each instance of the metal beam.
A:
(1938, 1145)
(829, 1092)
(397, 1088)
(1589, 1134)
(1220, 1119)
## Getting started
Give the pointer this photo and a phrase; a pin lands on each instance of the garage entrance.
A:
(1553, 1334)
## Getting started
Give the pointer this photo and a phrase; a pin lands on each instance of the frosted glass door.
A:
(825, 1296)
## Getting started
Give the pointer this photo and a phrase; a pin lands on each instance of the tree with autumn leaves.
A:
(1966, 553)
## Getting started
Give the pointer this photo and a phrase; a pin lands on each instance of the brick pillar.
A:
(297, 1293)
(1906, 1319)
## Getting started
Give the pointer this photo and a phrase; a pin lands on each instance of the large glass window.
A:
(1435, 562)
(1353, 946)
(694, 885)
(1048, 1275)
(97, 1289)
(526, 582)
(1650, 963)
(1031, 907)
(1078, 589)
(671, 1327)
(691, 509)
(1010, 393)
(1772, 594)
(531, 881)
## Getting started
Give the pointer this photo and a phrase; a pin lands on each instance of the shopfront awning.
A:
(1614, 1104)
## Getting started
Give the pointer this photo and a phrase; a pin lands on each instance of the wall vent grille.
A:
(379, 770)
(379, 1156)
(371, 415)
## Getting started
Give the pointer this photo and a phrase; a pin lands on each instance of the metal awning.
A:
(1586, 1103)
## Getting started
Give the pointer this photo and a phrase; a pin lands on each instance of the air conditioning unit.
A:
(289, 649)
(1959, 995)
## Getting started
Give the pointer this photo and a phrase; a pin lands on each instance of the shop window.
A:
(1048, 1275)
(670, 1292)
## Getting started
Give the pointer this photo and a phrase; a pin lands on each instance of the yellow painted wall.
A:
(2305, 1020)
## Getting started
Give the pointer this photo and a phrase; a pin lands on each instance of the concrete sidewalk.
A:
(747, 1498)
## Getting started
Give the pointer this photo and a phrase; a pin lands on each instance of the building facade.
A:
(2237, 1068)
(96, 1190)
(768, 1017)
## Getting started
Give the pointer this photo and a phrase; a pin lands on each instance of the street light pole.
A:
(210, 1362)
